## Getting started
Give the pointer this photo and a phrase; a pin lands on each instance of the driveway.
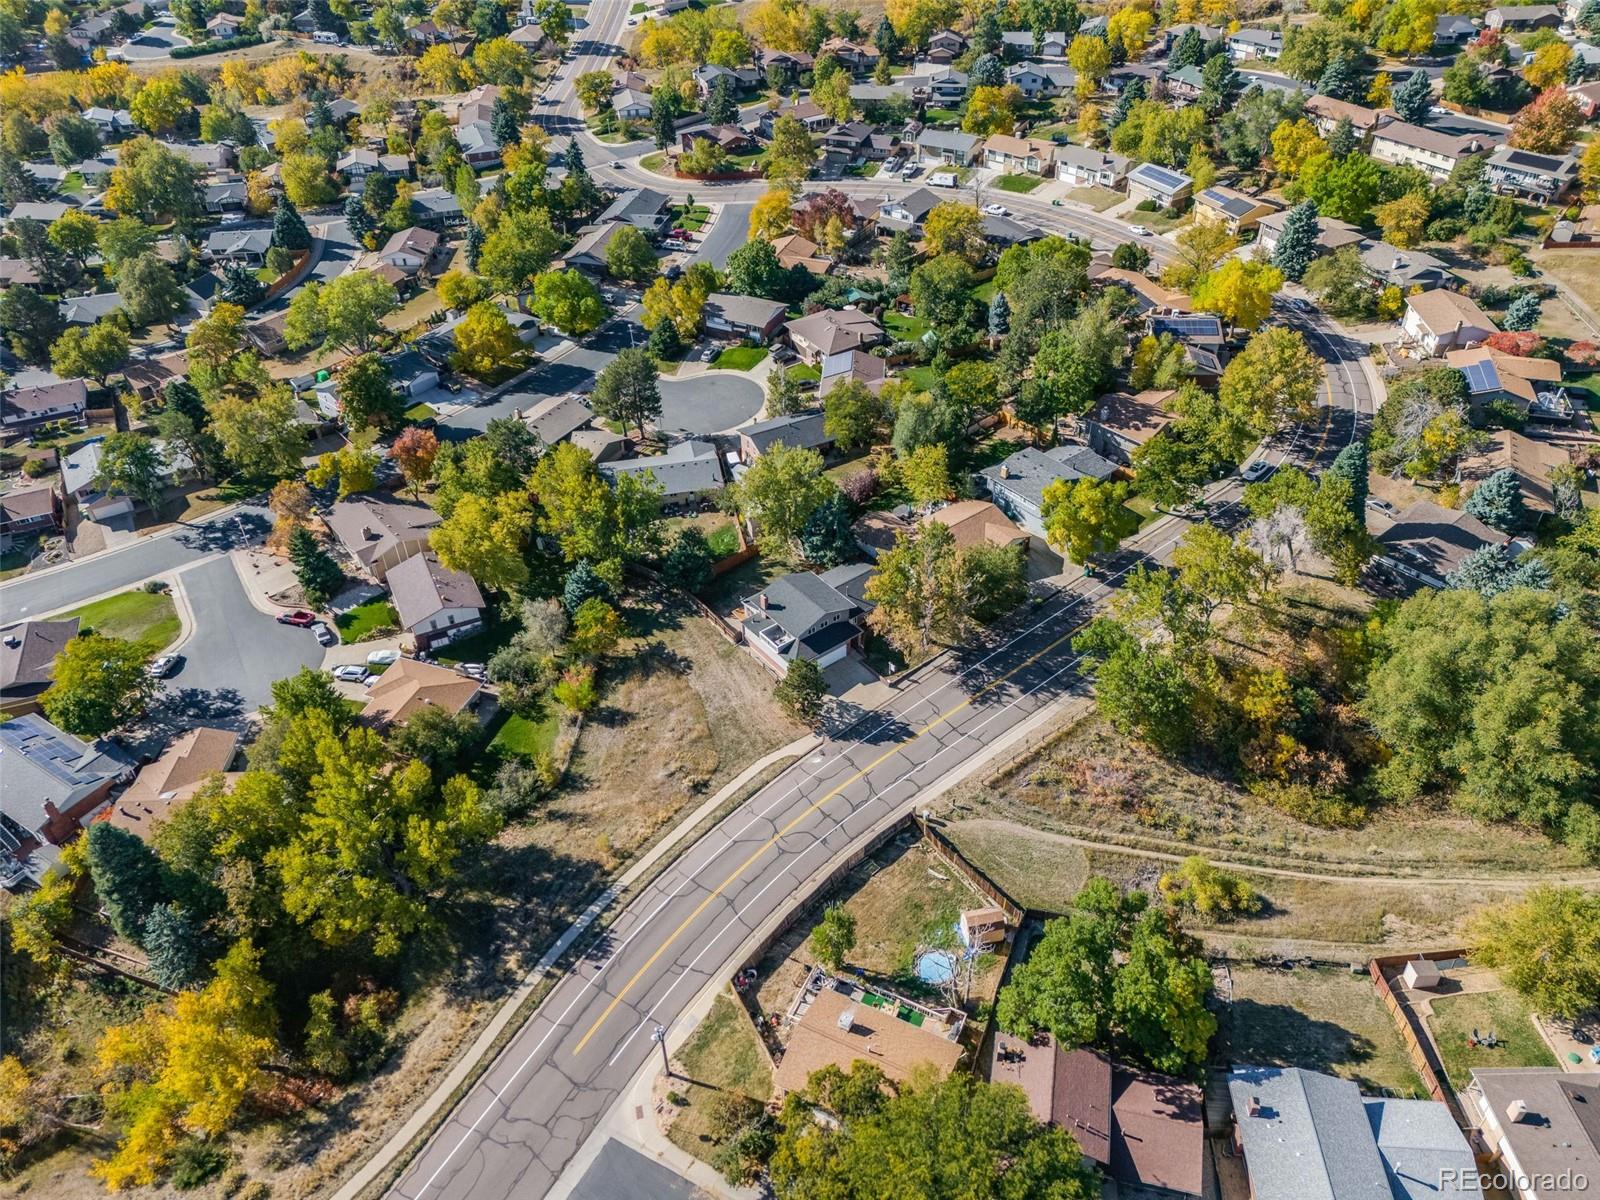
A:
(157, 42)
(622, 1173)
(728, 232)
(712, 402)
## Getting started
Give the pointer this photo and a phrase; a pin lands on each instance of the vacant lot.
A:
(148, 618)
(1321, 1018)
(1454, 1019)
(723, 1056)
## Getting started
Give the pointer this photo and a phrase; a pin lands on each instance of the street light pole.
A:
(659, 1037)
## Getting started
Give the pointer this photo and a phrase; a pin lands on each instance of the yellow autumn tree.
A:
(769, 216)
(1292, 143)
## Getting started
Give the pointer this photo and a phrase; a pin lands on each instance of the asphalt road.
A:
(622, 1173)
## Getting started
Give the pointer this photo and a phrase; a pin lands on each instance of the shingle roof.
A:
(44, 763)
(687, 468)
(874, 1035)
(422, 586)
(371, 525)
(1305, 1136)
(553, 418)
(172, 780)
(752, 311)
(797, 431)
(832, 332)
(408, 686)
(25, 666)
(1437, 539)
(1028, 472)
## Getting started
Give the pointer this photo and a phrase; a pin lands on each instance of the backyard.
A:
(148, 618)
(1454, 1020)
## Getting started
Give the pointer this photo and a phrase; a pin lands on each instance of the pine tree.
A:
(1497, 501)
(1413, 98)
(899, 258)
(507, 132)
(1190, 50)
(1338, 79)
(357, 219)
(987, 71)
(1589, 17)
(1351, 464)
(886, 40)
(583, 583)
(318, 575)
(986, 32)
(827, 540)
(288, 228)
(1135, 91)
(1342, 142)
(240, 285)
(1297, 244)
(574, 159)
(475, 239)
(1522, 313)
(722, 108)
(174, 945)
(128, 878)
(999, 316)
(665, 126)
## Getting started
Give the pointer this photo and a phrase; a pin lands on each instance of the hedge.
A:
(218, 45)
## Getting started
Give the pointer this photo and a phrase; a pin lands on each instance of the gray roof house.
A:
(1166, 187)
(949, 146)
(1543, 177)
(248, 246)
(797, 431)
(644, 208)
(907, 212)
(52, 781)
(804, 616)
(1405, 269)
(381, 531)
(1309, 1136)
(25, 407)
(1538, 1121)
(690, 470)
(86, 310)
(743, 316)
(434, 603)
(553, 418)
(1017, 485)
(27, 652)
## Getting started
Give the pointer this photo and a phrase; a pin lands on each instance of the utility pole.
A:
(659, 1037)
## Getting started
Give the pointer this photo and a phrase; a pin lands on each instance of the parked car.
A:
(708, 354)
(351, 673)
(474, 671)
(1257, 471)
(167, 664)
(1299, 304)
(298, 617)
(324, 635)
(616, 164)
(1382, 506)
(383, 658)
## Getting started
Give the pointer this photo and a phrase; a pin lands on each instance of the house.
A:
(1543, 178)
(1016, 486)
(1305, 1135)
(86, 310)
(907, 212)
(437, 208)
(839, 1029)
(853, 366)
(1441, 320)
(1493, 376)
(25, 408)
(1539, 1124)
(27, 657)
(1325, 113)
(1185, 84)
(1024, 44)
(1002, 152)
(109, 122)
(1042, 79)
(409, 686)
(851, 138)
(946, 46)
(588, 252)
(475, 105)
(795, 250)
(28, 513)
(266, 335)
(1145, 1132)
(1405, 269)
(1002, 232)
(981, 523)
(228, 196)
(224, 25)
(691, 470)
(829, 331)
(1249, 45)
(1332, 234)
(1166, 187)
(942, 83)
(948, 146)
(1237, 211)
(42, 211)
(435, 604)
(1452, 29)
(1432, 150)
(1196, 329)
(801, 108)
(166, 785)
(645, 209)
(1530, 459)
(553, 418)
(1587, 96)
(743, 316)
(1148, 295)
(247, 246)
(859, 58)
(52, 781)
(479, 146)
(412, 250)
(80, 480)
(1427, 543)
(1119, 423)
(797, 431)
(601, 444)
(631, 105)
(411, 374)
(803, 616)
(1523, 17)
(741, 79)
(1084, 166)
(210, 157)
(18, 270)
(381, 531)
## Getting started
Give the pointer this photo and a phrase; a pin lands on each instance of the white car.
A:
(383, 658)
(1140, 231)
(1257, 471)
(160, 668)
(350, 673)
(996, 210)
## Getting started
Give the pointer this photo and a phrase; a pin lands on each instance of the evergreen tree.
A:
(1297, 244)
(987, 71)
(240, 285)
(722, 108)
(1134, 92)
(1338, 79)
(318, 575)
(1190, 50)
(1522, 313)
(128, 878)
(289, 228)
(357, 219)
(1219, 80)
(1342, 142)
(827, 540)
(1413, 98)
(899, 258)
(1490, 570)
(583, 583)
(687, 563)
(175, 946)
(999, 316)
(1589, 17)
(886, 39)
(665, 125)
(475, 239)
(574, 159)
(1497, 501)
(986, 32)
(1351, 464)
(503, 123)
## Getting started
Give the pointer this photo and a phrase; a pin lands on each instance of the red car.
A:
(299, 617)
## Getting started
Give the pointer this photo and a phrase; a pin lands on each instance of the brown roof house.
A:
(27, 654)
(838, 1029)
(382, 531)
(979, 523)
(27, 513)
(170, 782)
(795, 250)
(1532, 459)
(827, 331)
(1428, 543)
(1493, 376)
(1145, 1131)
(410, 686)
(436, 605)
(24, 408)
(1119, 423)
(1441, 320)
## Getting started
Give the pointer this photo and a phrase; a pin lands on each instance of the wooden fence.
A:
(1419, 1045)
(985, 886)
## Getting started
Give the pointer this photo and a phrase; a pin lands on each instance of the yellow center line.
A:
(809, 809)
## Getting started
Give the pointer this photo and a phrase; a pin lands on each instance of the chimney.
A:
(1517, 1110)
(847, 1018)
(761, 599)
(1255, 1106)
(1005, 471)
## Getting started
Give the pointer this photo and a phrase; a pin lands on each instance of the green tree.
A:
(688, 561)
(1084, 517)
(1545, 945)
(96, 352)
(484, 537)
(486, 344)
(288, 227)
(1275, 379)
(367, 399)
(570, 302)
(630, 256)
(780, 491)
(31, 323)
(1413, 98)
(828, 538)
(853, 416)
(941, 292)
(519, 247)
(175, 945)
(1141, 689)
(259, 435)
(1497, 501)
(1296, 247)
(314, 569)
(754, 270)
(149, 290)
(1214, 893)
(128, 878)
(834, 936)
(353, 307)
(152, 182)
(919, 591)
(131, 465)
(99, 684)
(627, 390)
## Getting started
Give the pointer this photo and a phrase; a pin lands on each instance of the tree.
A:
(627, 390)
(1338, 80)
(518, 249)
(152, 182)
(240, 286)
(1403, 220)
(1497, 501)
(594, 524)
(900, 257)
(596, 629)
(1548, 124)
(95, 352)
(992, 110)
(1549, 66)
(354, 466)
(1202, 246)
(679, 303)
(1240, 292)
(174, 943)
(292, 507)
(1546, 946)
(1342, 141)
(485, 342)
(1218, 83)
(594, 89)
(853, 417)
(1084, 517)
(75, 234)
(415, 451)
(128, 878)
(259, 436)
(483, 537)
(366, 397)
(1293, 143)
(1090, 57)
(955, 228)
(31, 323)
(925, 473)
(1522, 313)
(149, 290)
(919, 591)
(314, 569)
(754, 270)
(1413, 98)
(99, 684)
(770, 215)
(569, 301)
(1274, 379)
(353, 306)
(159, 105)
(1490, 570)
(780, 491)
(704, 158)
(834, 936)
(942, 294)
(1350, 465)
(1296, 247)
(688, 562)
(288, 227)
(1407, 27)
(390, 835)
(630, 257)
(1214, 893)
(131, 465)
(791, 153)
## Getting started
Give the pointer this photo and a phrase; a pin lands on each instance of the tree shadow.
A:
(232, 533)
(1280, 1035)
(177, 710)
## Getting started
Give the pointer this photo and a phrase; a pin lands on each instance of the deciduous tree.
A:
(484, 537)
(1084, 517)
(99, 684)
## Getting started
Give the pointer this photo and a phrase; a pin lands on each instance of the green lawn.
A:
(943, 116)
(693, 219)
(653, 162)
(986, 291)
(148, 618)
(1018, 183)
(1503, 1013)
(420, 412)
(805, 371)
(480, 647)
(905, 328)
(921, 378)
(739, 358)
(361, 621)
(521, 737)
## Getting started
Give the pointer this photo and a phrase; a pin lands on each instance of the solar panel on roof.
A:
(1193, 326)
(1161, 175)
(1482, 377)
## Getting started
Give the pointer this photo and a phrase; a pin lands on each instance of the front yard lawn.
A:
(148, 618)
(805, 371)
(1018, 183)
(1097, 198)
(362, 621)
(722, 1058)
(739, 358)
(691, 218)
(420, 412)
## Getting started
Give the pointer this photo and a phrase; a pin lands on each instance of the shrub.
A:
(1147, 206)
(154, 587)
(217, 46)
(860, 487)
(38, 468)
(197, 1163)
(1584, 354)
